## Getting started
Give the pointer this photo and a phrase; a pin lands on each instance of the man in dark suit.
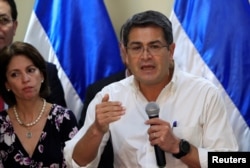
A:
(8, 26)
(56, 90)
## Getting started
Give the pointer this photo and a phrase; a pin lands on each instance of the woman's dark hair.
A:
(7, 54)
(148, 18)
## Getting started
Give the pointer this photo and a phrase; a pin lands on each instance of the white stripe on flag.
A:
(36, 36)
(190, 60)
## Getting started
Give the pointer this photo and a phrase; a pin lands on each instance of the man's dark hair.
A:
(148, 18)
(13, 8)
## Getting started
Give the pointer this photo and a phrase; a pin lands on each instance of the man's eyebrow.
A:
(155, 42)
(135, 43)
(3, 14)
(151, 42)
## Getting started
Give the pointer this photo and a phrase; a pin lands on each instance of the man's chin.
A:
(2, 45)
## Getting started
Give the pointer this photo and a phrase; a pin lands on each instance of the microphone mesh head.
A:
(152, 109)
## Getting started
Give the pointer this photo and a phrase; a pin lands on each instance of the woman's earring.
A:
(8, 89)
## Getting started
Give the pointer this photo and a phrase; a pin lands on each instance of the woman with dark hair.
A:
(32, 131)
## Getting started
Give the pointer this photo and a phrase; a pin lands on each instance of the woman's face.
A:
(24, 79)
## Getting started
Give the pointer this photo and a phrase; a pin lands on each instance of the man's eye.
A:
(154, 46)
(136, 48)
(4, 20)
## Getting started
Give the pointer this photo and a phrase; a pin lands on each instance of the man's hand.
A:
(161, 134)
(107, 112)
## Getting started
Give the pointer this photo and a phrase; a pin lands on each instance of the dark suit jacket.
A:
(107, 155)
(57, 94)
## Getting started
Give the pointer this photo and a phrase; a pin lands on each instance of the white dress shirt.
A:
(193, 102)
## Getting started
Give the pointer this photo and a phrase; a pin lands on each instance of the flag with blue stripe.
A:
(79, 38)
(213, 40)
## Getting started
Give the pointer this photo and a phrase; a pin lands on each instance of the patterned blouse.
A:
(61, 126)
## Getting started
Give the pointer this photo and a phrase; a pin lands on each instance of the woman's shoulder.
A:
(59, 111)
(3, 114)
(5, 124)
(62, 117)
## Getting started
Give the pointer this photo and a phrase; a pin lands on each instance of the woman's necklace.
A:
(29, 134)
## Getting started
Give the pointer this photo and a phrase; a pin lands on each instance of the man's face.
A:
(7, 25)
(148, 55)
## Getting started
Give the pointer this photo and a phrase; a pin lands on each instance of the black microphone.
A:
(152, 109)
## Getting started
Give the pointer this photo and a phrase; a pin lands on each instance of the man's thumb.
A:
(105, 98)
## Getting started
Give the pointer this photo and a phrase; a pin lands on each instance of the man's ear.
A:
(123, 52)
(171, 49)
(15, 24)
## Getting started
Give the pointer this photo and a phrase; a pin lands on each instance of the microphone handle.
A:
(160, 156)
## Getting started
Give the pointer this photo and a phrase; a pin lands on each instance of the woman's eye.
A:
(14, 74)
(31, 70)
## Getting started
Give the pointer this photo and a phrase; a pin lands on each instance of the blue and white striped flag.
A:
(213, 40)
(79, 38)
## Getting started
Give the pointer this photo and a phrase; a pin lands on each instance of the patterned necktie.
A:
(1, 104)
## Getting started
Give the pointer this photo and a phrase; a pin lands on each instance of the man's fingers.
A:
(105, 98)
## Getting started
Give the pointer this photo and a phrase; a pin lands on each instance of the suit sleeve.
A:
(90, 94)
(57, 94)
